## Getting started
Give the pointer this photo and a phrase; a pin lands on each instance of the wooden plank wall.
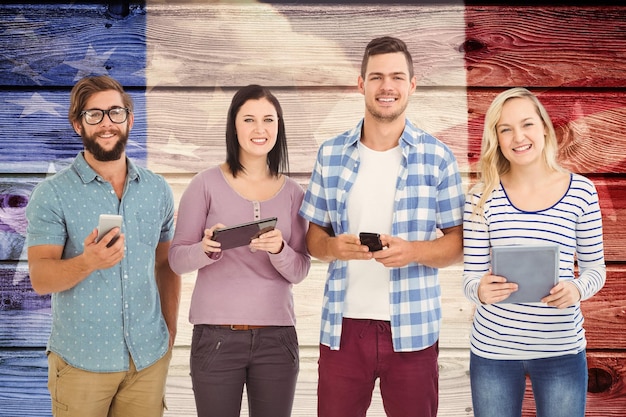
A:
(182, 61)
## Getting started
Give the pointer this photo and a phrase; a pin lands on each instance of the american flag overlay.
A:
(182, 61)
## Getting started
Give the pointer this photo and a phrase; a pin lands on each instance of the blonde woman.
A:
(525, 198)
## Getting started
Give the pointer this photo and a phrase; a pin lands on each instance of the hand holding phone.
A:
(106, 223)
(371, 240)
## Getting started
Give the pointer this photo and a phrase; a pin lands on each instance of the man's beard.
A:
(385, 117)
(99, 153)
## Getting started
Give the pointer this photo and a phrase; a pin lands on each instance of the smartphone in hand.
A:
(371, 240)
(106, 223)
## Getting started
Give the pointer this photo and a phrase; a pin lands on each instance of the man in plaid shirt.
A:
(382, 309)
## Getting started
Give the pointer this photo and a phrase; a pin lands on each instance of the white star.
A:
(176, 147)
(20, 26)
(160, 69)
(37, 103)
(25, 69)
(92, 63)
(212, 107)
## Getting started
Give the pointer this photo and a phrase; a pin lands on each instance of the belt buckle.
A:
(238, 327)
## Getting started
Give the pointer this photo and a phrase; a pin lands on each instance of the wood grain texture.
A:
(24, 315)
(309, 45)
(23, 379)
(37, 138)
(321, 45)
(15, 192)
(605, 313)
(57, 44)
(183, 60)
(612, 195)
(545, 46)
(589, 125)
(184, 131)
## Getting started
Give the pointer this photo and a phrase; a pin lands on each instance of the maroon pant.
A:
(409, 381)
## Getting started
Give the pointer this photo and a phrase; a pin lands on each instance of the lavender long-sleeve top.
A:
(241, 287)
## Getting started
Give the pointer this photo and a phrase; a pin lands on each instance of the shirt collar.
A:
(410, 135)
(87, 174)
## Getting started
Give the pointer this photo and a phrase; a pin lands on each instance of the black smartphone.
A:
(371, 240)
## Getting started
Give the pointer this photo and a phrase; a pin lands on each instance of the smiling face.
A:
(257, 127)
(105, 141)
(521, 132)
(387, 86)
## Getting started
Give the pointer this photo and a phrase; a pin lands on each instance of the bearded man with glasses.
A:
(114, 299)
(94, 117)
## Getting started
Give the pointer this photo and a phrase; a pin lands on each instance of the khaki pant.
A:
(78, 393)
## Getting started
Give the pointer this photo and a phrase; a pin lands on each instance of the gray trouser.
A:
(265, 360)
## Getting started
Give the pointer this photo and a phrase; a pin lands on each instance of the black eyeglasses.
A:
(94, 116)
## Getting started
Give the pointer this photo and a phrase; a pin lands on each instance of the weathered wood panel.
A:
(14, 195)
(182, 61)
(612, 194)
(545, 46)
(23, 379)
(192, 138)
(37, 137)
(57, 44)
(308, 45)
(316, 45)
(24, 315)
(588, 124)
(605, 313)
(185, 131)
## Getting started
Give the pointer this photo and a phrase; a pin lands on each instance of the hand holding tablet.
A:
(534, 268)
(241, 234)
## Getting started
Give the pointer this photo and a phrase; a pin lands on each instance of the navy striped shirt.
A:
(534, 330)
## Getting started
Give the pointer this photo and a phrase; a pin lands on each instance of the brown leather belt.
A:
(240, 326)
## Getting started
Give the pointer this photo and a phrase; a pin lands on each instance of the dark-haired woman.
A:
(242, 305)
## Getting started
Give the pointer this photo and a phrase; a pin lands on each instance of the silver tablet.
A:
(534, 268)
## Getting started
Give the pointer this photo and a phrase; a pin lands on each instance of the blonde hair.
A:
(492, 163)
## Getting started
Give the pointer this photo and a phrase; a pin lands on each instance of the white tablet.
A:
(534, 268)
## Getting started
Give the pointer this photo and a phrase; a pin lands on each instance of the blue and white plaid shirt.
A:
(429, 196)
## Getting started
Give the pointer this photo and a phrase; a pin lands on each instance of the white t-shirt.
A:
(370, 209)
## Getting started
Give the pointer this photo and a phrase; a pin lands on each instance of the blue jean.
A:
(223, 361)
(559, 385)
